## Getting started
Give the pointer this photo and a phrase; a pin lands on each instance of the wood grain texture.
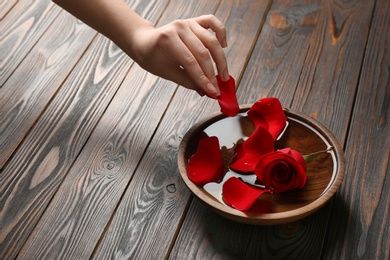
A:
(83, 205)
(275, 65)
(150, 211)
(333, 63)
(206, 235)
(214, 237)
(38, 77)
(321, 39)
(93, 178)
(6, 6)
(19, 31)
(298, 240)
(272, 70)
(240, 42)
(35, 172)
(47, 153)
(360, 216)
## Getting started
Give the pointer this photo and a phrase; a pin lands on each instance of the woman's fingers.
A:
(201, 43)
(186, 52)
(178, 75)
(182, 56)
(211, 22)
(212, 45)
(202, 55)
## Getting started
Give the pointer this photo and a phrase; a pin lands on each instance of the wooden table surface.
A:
(89, 140)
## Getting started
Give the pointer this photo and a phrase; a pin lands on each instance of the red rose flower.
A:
(282, 170)
(206, 164)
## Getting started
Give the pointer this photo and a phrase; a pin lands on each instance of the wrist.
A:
(132, 39)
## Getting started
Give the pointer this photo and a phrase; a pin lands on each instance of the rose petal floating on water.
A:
(268, 113)
(240, 195)
(215, 189)
(282, 170)
(249, 153)
(206, 164)
(278, 171)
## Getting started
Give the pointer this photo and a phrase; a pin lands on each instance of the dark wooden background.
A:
(89, 141)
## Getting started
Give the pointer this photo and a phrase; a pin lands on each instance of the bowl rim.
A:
(265, 218)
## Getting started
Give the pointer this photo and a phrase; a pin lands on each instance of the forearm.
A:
(113, 18)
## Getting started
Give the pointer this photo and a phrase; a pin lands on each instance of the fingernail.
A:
(226, 75)
(224, 45)
(213, 90)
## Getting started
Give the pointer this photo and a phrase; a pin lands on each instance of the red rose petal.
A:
(259, 143)
(206, 164)
(268, 113)
(296, 155)
(238, 155)
(240, 195)
(228, 99)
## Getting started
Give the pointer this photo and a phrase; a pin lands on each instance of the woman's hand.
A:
(183, 51)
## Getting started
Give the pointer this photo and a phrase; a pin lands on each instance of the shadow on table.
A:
(308, 238)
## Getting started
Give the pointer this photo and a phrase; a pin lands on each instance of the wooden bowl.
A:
(304, 134)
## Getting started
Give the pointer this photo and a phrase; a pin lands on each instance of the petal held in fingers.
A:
(228, 99)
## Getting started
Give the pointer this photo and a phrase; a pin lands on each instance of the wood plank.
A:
(151, 210)
(145, 221)
(360, 226)
(324, 55)
(279, 55)
(33, 175)
(276, 67)
(82, 207)
(273, 70)
(82, 171)
(333, 63)
(211, 236)
(20, 30)
(38, 77)
(297, 240)
(6, 6)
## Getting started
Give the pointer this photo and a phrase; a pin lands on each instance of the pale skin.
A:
(183, 51)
